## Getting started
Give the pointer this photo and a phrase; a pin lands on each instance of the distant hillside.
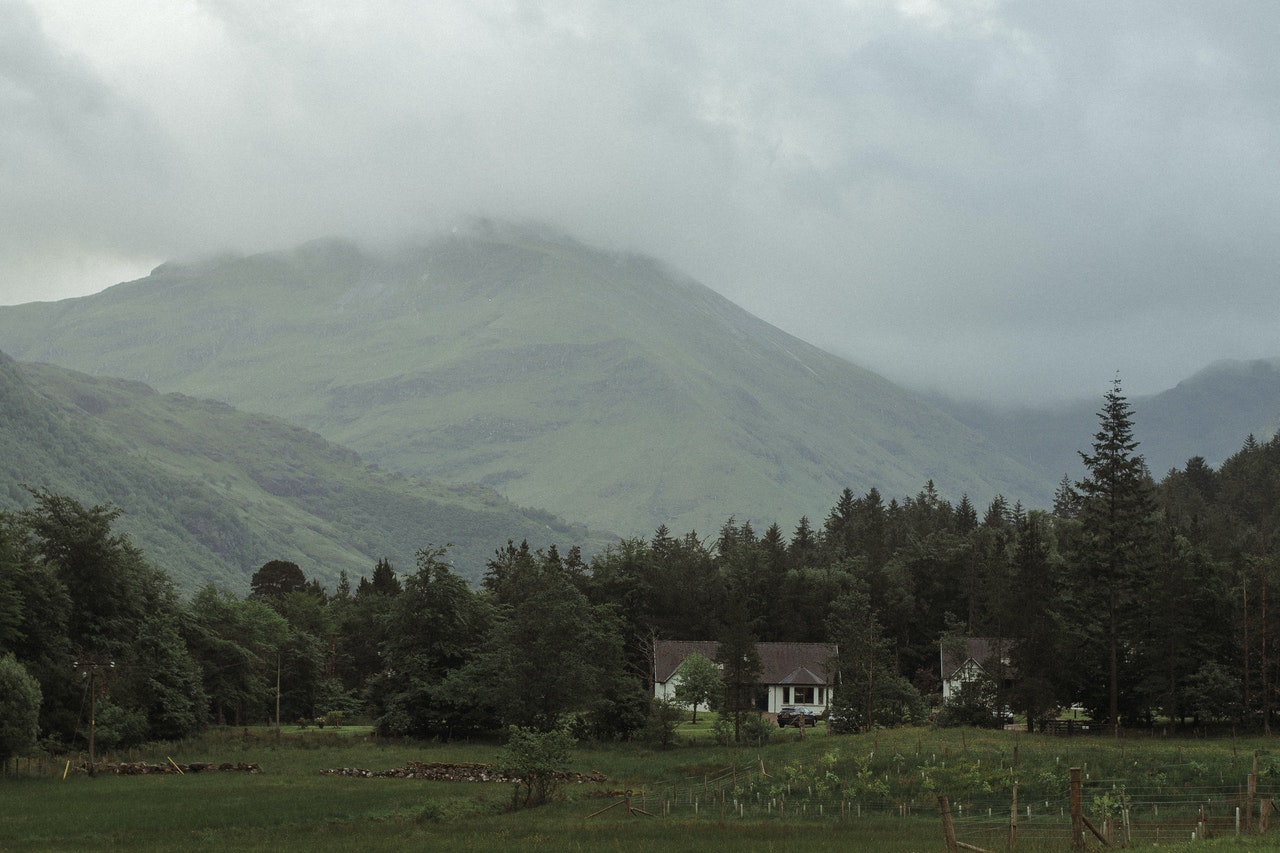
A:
(603, 387)
(211, 493)
(1209, 414)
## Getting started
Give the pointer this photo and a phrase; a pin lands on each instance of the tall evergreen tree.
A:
(739, 661)
(384, 580)
(804, 545)
(1033, 621)
(1116, 525)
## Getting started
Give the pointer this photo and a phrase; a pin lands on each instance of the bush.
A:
(896, 702)
(757, 730)
(722, 730)
(974, 704)
(19, 709)
(395, 723)
(754, 729)
(538, 759)
(664, 716)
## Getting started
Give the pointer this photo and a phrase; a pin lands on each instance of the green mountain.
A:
(210, 493)
(603, 387)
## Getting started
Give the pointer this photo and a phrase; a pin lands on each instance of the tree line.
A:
(1140, 600)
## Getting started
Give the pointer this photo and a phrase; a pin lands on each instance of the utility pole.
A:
(89, 669)
(277, 693)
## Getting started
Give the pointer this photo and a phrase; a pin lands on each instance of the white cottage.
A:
(793, 674)
(964, 660)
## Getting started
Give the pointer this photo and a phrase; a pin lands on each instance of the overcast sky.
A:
(1002, 200)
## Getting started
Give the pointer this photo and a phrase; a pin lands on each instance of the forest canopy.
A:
(1140, 600)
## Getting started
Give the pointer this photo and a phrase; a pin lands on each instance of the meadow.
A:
(821, 793)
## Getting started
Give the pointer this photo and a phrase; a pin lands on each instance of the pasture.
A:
(823, 793)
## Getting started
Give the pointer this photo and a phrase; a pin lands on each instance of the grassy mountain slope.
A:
(600, 386)
(1208, 414)
(211, 493)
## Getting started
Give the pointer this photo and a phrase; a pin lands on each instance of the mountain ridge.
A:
(604, 387)
(1208, 415)
(211, 493)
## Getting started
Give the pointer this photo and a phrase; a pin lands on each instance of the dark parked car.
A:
(797, 717)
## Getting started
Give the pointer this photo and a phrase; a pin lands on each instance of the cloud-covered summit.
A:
(1013, 199)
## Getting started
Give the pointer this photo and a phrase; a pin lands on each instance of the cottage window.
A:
(802, 695)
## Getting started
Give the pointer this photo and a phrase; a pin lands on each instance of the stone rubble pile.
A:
(142, 768)
(443, 772)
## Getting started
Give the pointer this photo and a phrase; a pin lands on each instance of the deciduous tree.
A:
(19, 709)
(699, 683)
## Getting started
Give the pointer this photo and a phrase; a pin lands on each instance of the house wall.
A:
(779, 695)
(667, 690)
(785, 694)
(968, 671)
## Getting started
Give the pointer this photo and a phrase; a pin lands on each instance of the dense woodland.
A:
(1145, 601)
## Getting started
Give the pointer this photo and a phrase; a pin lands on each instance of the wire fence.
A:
(1122, 812)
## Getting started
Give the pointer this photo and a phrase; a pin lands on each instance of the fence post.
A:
(1013, 820)
(1077, 816)
(1128, 828)
(948, 829)
(1251, 791)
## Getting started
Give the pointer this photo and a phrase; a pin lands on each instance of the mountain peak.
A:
(599, 385)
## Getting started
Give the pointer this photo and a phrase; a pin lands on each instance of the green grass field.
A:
(825, 793)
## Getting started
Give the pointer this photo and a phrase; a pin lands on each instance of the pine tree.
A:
(384, 579)
(804, 545)
(739, 661)
(1116, 512)
(1033, 608)
(966, 516)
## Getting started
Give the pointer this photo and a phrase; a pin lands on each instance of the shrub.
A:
(722, 730)
(539, 760)
(757, 730)
(19, 709)
(974, 704)
(664, 717)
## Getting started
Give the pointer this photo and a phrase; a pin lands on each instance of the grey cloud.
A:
(998, 199)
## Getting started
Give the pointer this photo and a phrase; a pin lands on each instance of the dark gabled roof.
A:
(669, 654)
(803, 675)
(780, 663)
(984, 651)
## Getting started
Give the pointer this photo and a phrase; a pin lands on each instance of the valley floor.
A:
(825, 792)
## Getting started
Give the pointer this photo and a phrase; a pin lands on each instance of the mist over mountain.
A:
(1209, 414)
(603, 387)
(210, 493)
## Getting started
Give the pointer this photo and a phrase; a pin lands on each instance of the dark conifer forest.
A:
(1145, 601)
